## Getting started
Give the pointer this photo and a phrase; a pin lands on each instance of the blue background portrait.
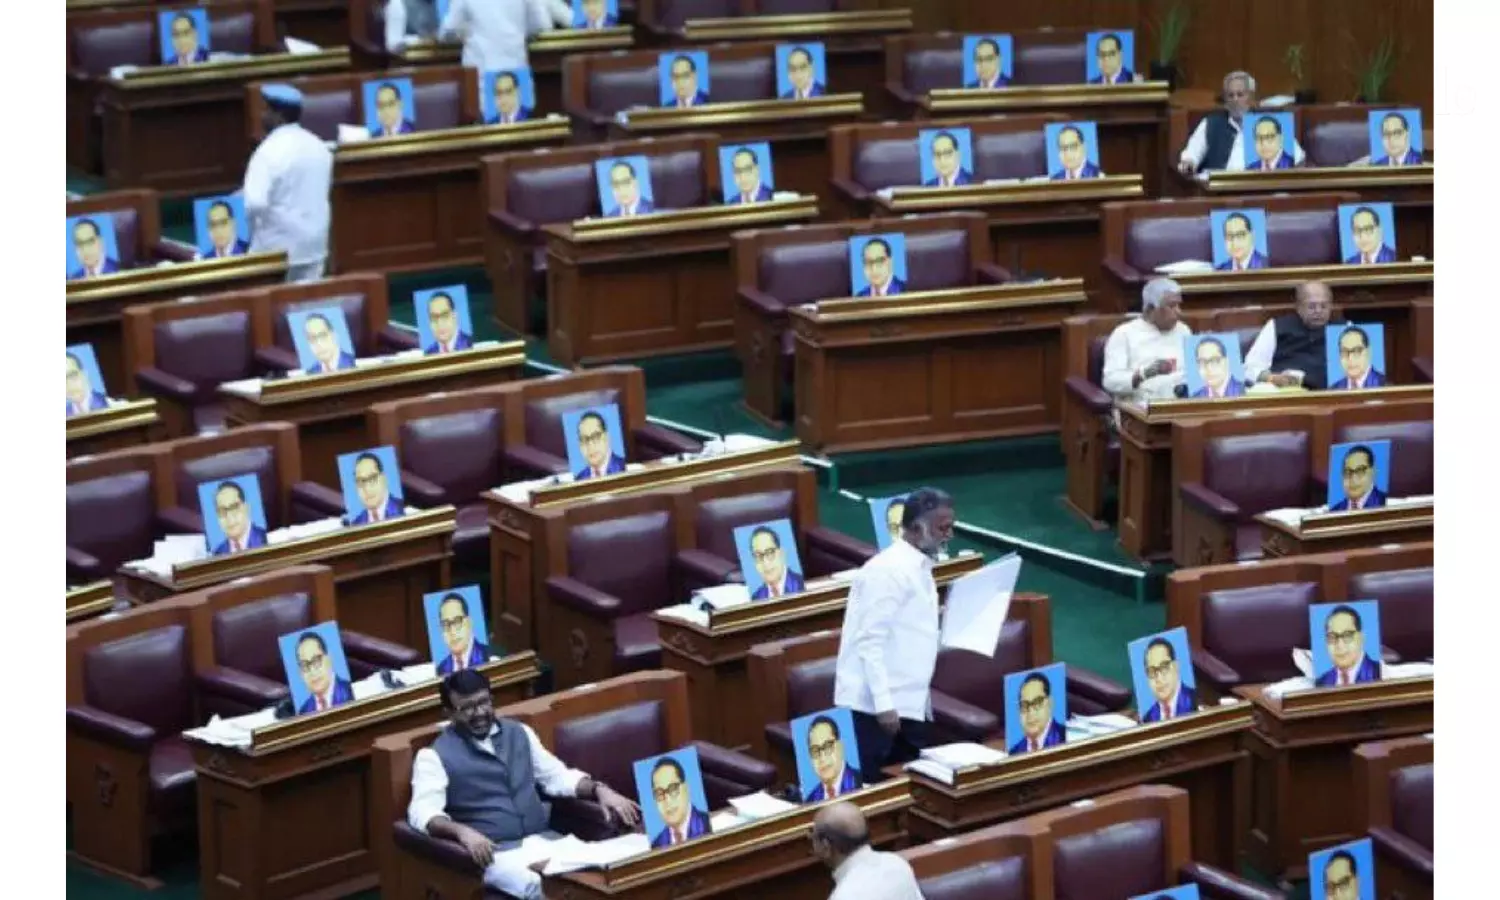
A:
(1057, 678)
(1333, 334)
(1413, 131)
(296, 322)
(897, 242)
(819, 55)
(1127, 56)
(1090, 143)
(525, 88)
(611, 12)
(106, 226)
(570, 420)
(1257, 219)
(213, 535)
(1369, 623)
(1387, 215)
(164, 31)
(807, 776)
(1336, 454)
(878, 509)
(89, 363)
(388, 465)
(459, 294)
(1007, 56)
(436, 646)
(287, 644)
(782, 528)
(1141, 685)
(687, 757)
(1181, 892)
(1363, 854)
(408, 102)
(1288, 134)
(1194, 379)
(965, 141)
(200, 221)
(642, 166)
(762, 151)
(664, 75)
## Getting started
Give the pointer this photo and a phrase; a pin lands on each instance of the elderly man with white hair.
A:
(1218, 141)
(1143, 356)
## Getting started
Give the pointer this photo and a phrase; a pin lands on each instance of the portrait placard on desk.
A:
(1367, 233)
(1182, 892)
(683, 78)
(1269, 142)
(989, 61)
(1072, 151)
(389, 107)
(801, 70)
(185, 36)
(768, 559)
(507, 96)
(624, 186)
(1161, 674)
(885, 516)
(86, 391)
(946, 156)
(234, 516)
(1396, 137)
(595, 441)
(877, 265)
(1109, 57)
(321, 338)
(1356, 355)
(674, 806)
(92, 249)
(1343, 872)
(220, 227)
(316, 671)
(456, 633)
(745, 173)
(1243, 244)
(1036, 702)
(370, 481)
(827, 752)
(1216, 368)
(1359, 475)
(591, 15)
(1344, 635)
(443, 322)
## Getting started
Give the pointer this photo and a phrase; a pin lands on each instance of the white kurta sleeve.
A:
(1262, 352)
(429, 790)
(1118, 376)
(1197, 145)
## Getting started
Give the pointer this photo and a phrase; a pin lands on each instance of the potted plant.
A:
(1296, 63)
(1374, 72)
(1170, 29)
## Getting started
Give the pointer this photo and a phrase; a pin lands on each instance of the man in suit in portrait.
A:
(390, 112)
(326, 690)
(1112, 68)
(685, 93)
(235, 520)
(803, 76)
(324, 344)
(1173, 698)
(464, 650)
(223, 236)
(1359, 477)
(508, 106)
(1369, 239)
(1340, 877)
(1073, 153)
(89, 245)
(625, 184)
(947, 162)
(1239, 243)
(987, 66)
(770, 563)
(1395, 136)
(1270, 146)
(880, 273)
(593, 442)
(745, 167)
(1354, 359)
(374, 492)
(187, 49)
(893, 518)
(674, 800)
(1345, 635)
(1213, 366)
(596, 15)
(1035, 711)
(825, 749)
(442, 319)
(82, 397)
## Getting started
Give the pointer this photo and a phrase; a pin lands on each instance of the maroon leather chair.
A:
(114, 514)
(1411, 466)
(931, 62)
(887, 162)
(363, 300)
(136, 215)
(1393, 785)
(1249, 633)
(1405, 597)
(994, 863)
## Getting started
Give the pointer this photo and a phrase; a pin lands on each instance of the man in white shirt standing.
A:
(1143, 356)
(477, 785)
(494, 32)
(1218, 141)
(287, 182)
(841, 839)
(889, 643)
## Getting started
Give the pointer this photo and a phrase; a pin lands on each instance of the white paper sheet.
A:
(760, 805)
(570, 854)
(977, 605)
(962, 755)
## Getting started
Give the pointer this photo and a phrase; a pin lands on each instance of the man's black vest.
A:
(1220, 135)
(1301, 348)
(493, 793)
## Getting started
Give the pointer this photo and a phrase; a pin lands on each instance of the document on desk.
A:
(571, 855)
(977, 605)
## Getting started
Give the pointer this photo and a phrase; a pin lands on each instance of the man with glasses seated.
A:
(1290, 348)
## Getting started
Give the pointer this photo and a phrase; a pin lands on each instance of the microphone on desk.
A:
(284, 709)
(1180, 391)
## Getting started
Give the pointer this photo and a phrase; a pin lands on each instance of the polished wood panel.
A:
(127, 424)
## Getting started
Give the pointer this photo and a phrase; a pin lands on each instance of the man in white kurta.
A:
(494, 32)
(286, 187)
(1143, 356)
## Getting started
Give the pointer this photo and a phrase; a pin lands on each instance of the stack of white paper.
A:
(417, 674)
(1288, 686)
(1396, 671)
(233, 732)
(1001, 181)
(352, 134)
(721, 596)
(977, 606)
(725, 820)
(1104, 723)
(1185, 267)
(304, 530)
(962, 755)
(570, 854)
(760, 805)
(293, 45)
(687, 612)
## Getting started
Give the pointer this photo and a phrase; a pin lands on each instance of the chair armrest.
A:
(850, 188)
(1214, 504)
(703, 566)
(393, 339)
(1110, 694)
(176, 251)
(1217, 884)
(440, 851)
(508, 221)
(1095, 398)
(85, 564)
(963, 720)
(1421, 366)
(902, 93)
(321, 501)
(840, 546)
(662, 441)
(379, 653)
(763, 303)
(111, 729)
(576, 595)
(276, 359)
(989, 273)
(732, 765)
(529, 462)
(420, 491)
(179, 520)
(1122, 270)
(242, 687)
(583, 819)
(155, 381)
(1218, 672)
(1402, 850)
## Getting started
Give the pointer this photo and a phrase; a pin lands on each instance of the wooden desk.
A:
(713, 657)
(932, 366)
(289, 816)
(89, 600)
(381, 572)
(127, 424)
(329, 409)
(652, 284)
(1337, 532)
(1146, 490)
(323, 22)
(1301, 746)
(1203, 753)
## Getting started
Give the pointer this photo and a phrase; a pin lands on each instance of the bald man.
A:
(841, 840)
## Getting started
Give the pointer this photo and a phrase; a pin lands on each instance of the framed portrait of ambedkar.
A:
(827, 754)
(945, 156)
(674, 806)
(595, 441)
(1239, 239)
(1396, 137)
(390, 109)
(184, 35)
(1367, 233)
(507, 96)
(683, 78)
(317, 673)
(234, 516)
(86, 391)
(988, 61)
(1036, 703)
(1343, 872)
(1359, 475)
(443, 323)
(370, 481)
(456, 633)
(745, 173)
(592, 15)
(1355, 356)
(1109, 57)
(1161, 673)
(1270, 141)
(885, 516)
(1072, 151)
(92, 247)
(1345, 642)
(1215, 368)
(801, 70)
(624, 186)
(877, 265)
(321, 338)
(768, 559)
(220, 227)
(1181, 892)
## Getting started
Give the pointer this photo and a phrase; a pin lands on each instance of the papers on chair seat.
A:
(1277, 100)
(1036, 179)
(760, 805)
(293, 45)
(233, 732)
(569, 854)
(172, 550)
(977, 605)
(1185, 267)
(962, 755)
(721, 596)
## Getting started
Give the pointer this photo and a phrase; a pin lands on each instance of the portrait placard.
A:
(989, 61)
(316, 671)
(596, 14)
(1396, 137)
(1359, 475)
(86, 391)
(1355, 355)
(220, 226)
(801, 71)
(674, 806)
(1346, 871)
(1036, 703)
(827, 752)
(1270, 141)
(456, 634)
(595, 441)
(877, 265)
(1214, 366)
(92, 250)
(370, 481)
(1181, 892)
(885, 516)
(507, 96)
(1345, 642)
(624, 186)
(1239, 239)
(683, 78)
(1110, 57)
(443, 322)
(1367, 233)
(1161, 674)
(389, 106)
(321, 338)
(1072, 150)
(769, 560)
(185, 36)
(745, 173)
(234, 517)
(946, 156)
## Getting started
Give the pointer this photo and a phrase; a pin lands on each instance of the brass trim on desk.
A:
(748, 28)
(253, 68)
(1286, 278)
(1031, 96)
(1329, 178)
(179, 276)
(654, 477)
(983, 298)
(1318, 702)
(1164, 412)
(509, 354)
(1109, 187)
(115, 417)
(90, 599)
(709, 115)
(700, 218)
(1354, 522)
(450, 140)
(575, 40)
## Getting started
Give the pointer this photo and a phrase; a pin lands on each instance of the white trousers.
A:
(510, 871)
(296, 274)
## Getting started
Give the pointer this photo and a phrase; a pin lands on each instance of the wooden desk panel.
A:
(1342, 532)
(128, 424)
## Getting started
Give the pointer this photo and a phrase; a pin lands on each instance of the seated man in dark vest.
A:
(1293, 342)
(1215, 143)
(478, 785)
